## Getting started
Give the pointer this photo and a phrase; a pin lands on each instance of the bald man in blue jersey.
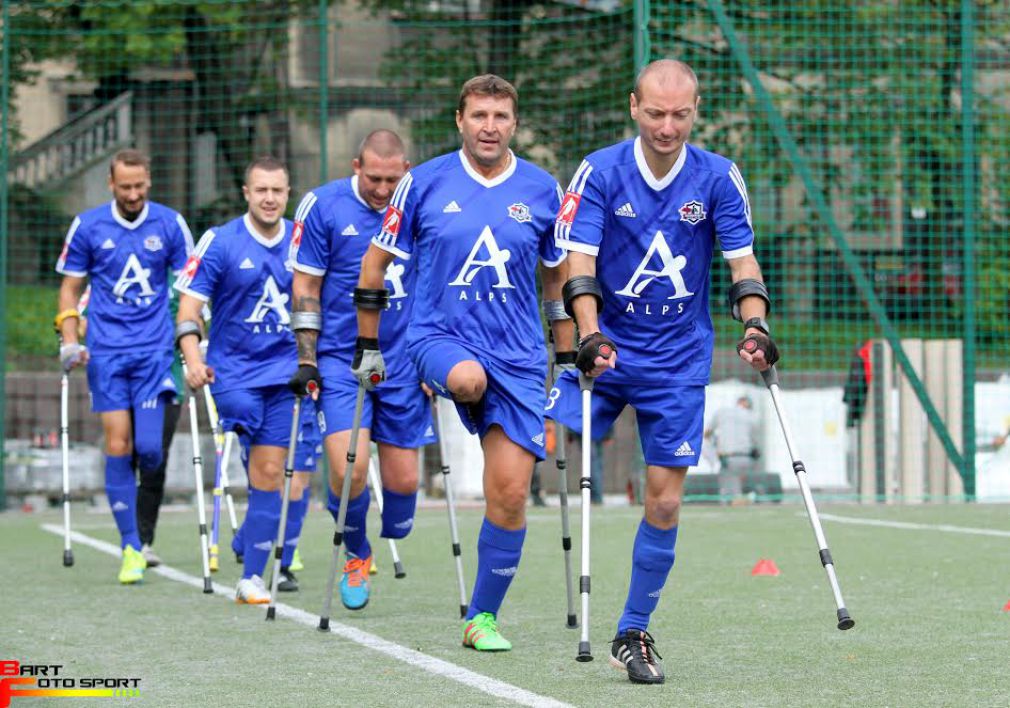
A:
(477, 223)
(641, 220)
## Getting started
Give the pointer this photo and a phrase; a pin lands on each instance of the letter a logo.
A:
(271, 299)
(133, 274)
(671, 268)
(496, 258)
(394, 276)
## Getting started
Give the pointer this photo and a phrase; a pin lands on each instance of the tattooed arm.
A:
(305, 294)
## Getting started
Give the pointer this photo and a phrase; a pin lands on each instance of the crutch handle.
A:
(771, 376)
(586, 382)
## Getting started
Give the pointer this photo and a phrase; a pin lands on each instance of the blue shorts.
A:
(514, 402)
(395, 415)
(259, 416)
(670, 417)
(119, 382)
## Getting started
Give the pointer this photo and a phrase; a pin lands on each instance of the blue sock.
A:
(397, 513)
(238, 540)
(260, 530)
(293, 529)
(651, 560)
(121, 489)
(355, 539)
(498, 553)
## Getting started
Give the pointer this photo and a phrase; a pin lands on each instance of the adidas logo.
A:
(507, 572)
(451, 208)
(683, 450)
(264, 545)
(108, 244)
(538, 439)
(310, 462)
(120, 506)
(627, 211)
(656, 593)
(349, 230)
(430, 432)
(404, 524)
(246, 265)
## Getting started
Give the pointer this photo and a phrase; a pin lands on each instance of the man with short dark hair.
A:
(242, 269)
(640, 221)
(127, 250)
(477, 222)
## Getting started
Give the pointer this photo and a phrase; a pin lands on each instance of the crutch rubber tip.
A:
(68, 559)
(844, 621)
(573, 623)
(398, 571)
(584, 655)
(207, 588)
(271, 613)
(324, 624)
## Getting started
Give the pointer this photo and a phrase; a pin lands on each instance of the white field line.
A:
(438, 667)
(916, 527)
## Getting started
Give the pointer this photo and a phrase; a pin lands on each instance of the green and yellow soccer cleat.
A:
(296, 562)
(481, 633)
(132, 569)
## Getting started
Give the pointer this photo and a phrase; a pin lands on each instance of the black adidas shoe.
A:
(288, 582)
(635, 652)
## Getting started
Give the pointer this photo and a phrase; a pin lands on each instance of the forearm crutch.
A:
(201, 511)
(229, 502)
(771, 379)
(561, 460)
(215, 516)
(373, 478)
(585, 485)
(289, 470)
(451, 504)
(68, 553)
(345, 492)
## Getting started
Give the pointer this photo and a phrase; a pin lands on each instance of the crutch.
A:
(229, 502)
(450, 502)
(68, 553)
(201, 511)
(219, 488)
(771, 378)
(373, 478)
(561, 460)
(585, 485)
(345, 492)
(289, 470)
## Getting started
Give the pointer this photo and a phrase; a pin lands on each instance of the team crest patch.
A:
(153, 243)
(391, 224)
(692, 212)
(520, 212)
(192, 265)
(570, 205)
(296, 235)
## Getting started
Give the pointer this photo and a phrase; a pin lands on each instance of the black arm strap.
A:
(371, 298)
(581, 285)
(745, 288)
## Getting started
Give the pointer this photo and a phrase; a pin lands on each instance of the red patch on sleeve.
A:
(391, 224)
(192, 265)
(569, 205)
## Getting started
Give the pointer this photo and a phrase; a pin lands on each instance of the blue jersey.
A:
(128, 263)
(476, 242)
(333, 227)
(247, 279)
(653, 241)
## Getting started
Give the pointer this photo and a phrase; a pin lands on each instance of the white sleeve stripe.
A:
(311, 270)
(737, 178)
(738, 252)
(576, 246)
(186, 233)
(305, 206)
(192, 293)
(561, 194)
(585, 177)
(72, 230)
(577, 175)
(74, 225)
(400, 195)
(201, 248)
(390, 248)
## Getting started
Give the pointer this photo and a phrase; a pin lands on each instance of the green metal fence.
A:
(872, 136)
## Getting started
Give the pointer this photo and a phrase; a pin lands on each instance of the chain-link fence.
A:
(871, 134)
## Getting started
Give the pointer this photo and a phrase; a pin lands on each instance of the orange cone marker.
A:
(765, 566)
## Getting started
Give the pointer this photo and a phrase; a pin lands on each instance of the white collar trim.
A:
(121, 220)
(650, 179)
(258, 235)
(357, 195)
(481, 179)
